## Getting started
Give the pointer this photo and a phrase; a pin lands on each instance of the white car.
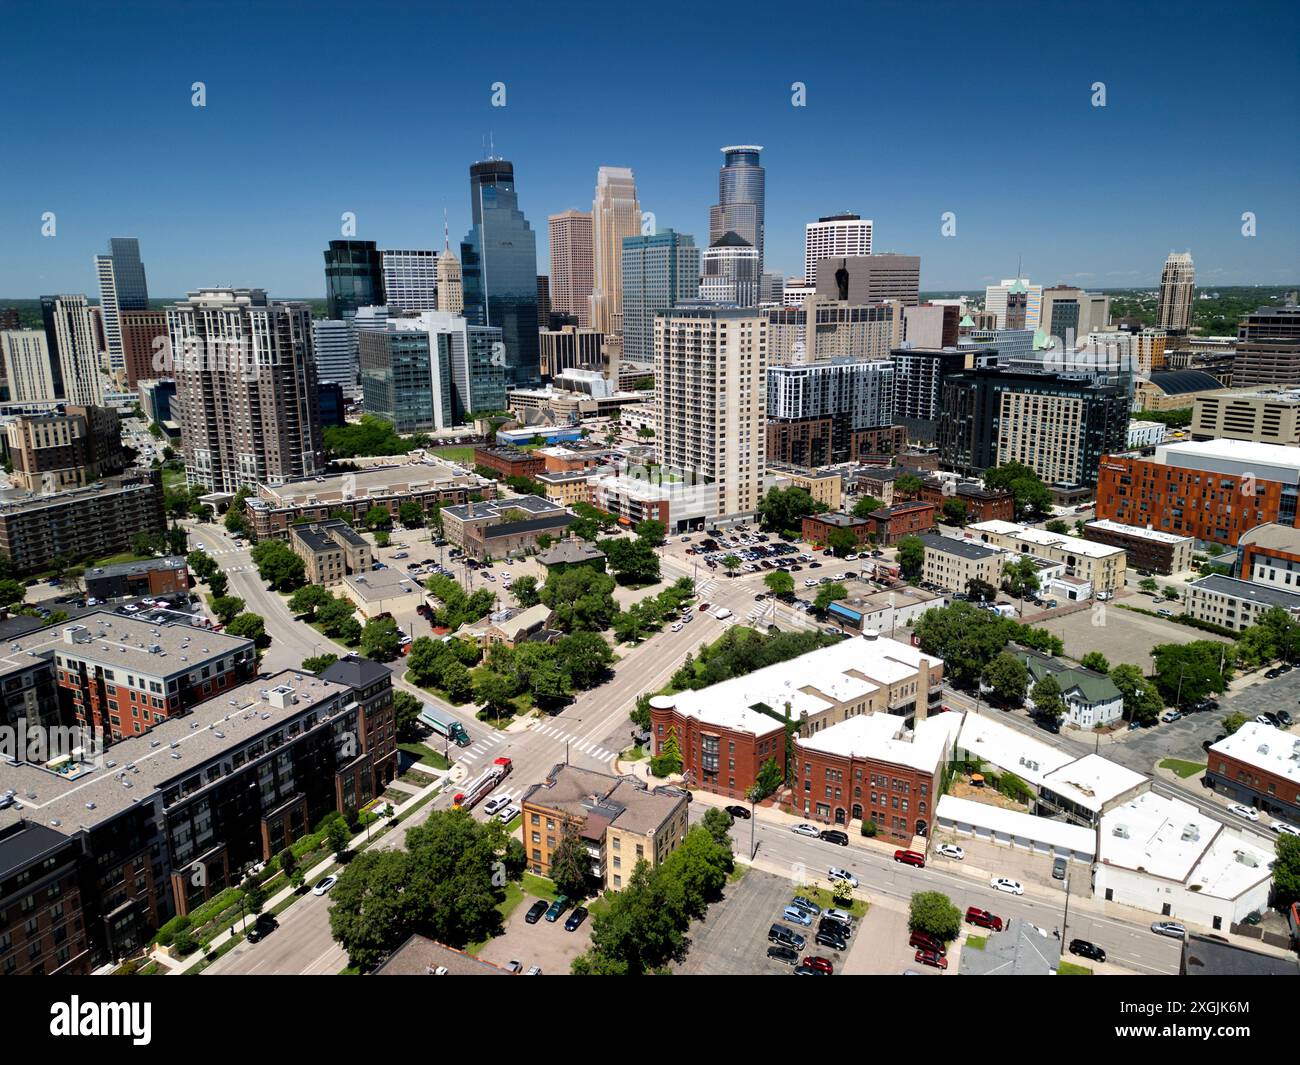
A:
(951, 850)
(810, 582)
(850, 558)
(806, 830)
(1011, 887)
(325, 885)
(1248, 812)
(508, 814)
(677, 626)
(496, 804)
(839, 915)
(842, 875)
(1282, 826)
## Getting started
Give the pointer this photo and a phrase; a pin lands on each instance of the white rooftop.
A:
(1263, 747)
(1043, 538)
(1010, 749)
(885, 738)
(1271, 462)
(1092, 781)
(1106, 525)
(1173, 840)
(1021, 825)
(811, 683)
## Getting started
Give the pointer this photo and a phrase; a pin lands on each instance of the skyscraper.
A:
(354, 277)
(834, 236)
(996, 300)
(711, 377)
(26, 355)
(245, 389)
(866, 279)
(411, 280)
(1177, 286)
(615, 214)
(499, 262)
(451, 288)
(741, 198)
(660, 271)
(1268, 347)
(572, 264)
(397, 376)
(465, 353)
(80, 364)
(335, 346)
(122, 287)
(144, 344)
(729, 272)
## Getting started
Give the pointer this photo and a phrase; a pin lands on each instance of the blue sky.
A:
(912, 110)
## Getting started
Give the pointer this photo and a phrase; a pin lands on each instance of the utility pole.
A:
(1065, 919)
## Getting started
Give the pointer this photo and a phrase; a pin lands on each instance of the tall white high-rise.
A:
(27, 365)
(335, 346)
(80, 359)
(996, 298)
(711, 377)
(411, 280)
(615, 214)
(1177, 286)
(122, 287)
(835, 236)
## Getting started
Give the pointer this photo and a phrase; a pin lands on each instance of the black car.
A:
(1084, 949)
(1273, 719)
(830, 939)
(535, 911)
(785, 954)
(262, 927)
(575, 919)
(833, 927)
(809, 970)
(1286, 719)
(834, 835)
(738, 811)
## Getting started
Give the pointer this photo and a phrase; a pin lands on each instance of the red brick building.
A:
(817, 528)
(722, 753)
(982, 504)
(509, 461)
(152, 577)
(879, 440)
(891, 524)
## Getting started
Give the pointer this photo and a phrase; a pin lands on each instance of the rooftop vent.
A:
(1120, 831)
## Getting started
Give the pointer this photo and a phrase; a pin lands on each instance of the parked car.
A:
(1084, 949)
(807, 970)
(822, 965)
(798, 916)
(834, 835)
(829, 939)
(907, 857)
(556, 908)
(1248, 812)
(836, 928)
(323, 886)
(508, 814)
(843, 876)
(786, 937)
(535, 911)
(1286, 719)
(951, 850)
(1170, 715)
(930, 957)
(842, 916)
(1169, 928)
(925, 941)
(514, 966)
(788, 955)
(1058, 869)
(1004, 883)
(575, 919)
(805, 829)
(497, 802)
(1282, 826)
(983, 918)
(738, 812)
(1165, 612)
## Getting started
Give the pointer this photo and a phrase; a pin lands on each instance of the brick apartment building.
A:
(151, 577)
(42, 929)
(891, 524)
(982, 504)
(51, 452)
(372, 686)
(1160, 552)
(817, 528)
(330, 550)
(507, 461)
(1257, 766)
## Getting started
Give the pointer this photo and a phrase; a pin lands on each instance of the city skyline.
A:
(1055, 202)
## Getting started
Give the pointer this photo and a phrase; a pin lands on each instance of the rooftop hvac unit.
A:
(1120, 831)
(1191, 833)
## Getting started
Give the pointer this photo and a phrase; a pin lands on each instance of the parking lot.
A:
(880, 947)
(544, 944)
(1121, 635)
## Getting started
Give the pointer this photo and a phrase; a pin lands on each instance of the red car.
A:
(822, 965)
(925, 941)
(932, 957)
(915, 858)
(974, 915)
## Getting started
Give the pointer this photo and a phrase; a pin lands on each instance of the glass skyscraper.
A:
(122, 287)
(741, 198)
(499, 264)
(354, 277)
(659, 272)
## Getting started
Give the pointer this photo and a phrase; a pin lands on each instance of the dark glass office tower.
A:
(741, 198)
(499, 263)
(354, 277)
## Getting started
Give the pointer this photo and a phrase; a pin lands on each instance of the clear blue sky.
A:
(913, 109)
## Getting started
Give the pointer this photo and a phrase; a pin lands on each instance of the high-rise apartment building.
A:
(245, 388)
(741, 198)
(871, 279)
(711, 380)
(81, 365)
(1268, 347)
(572, 264)
(571, 348)
(823, 404)
(729, 272)
(499, 262)
(660, 271)
(28, 367)
(821, 329)
(122, 287)
(615, 214)
(836, 236)
(918, 384)
(1027, 295)
(56, 451)
(144, 345)
(335, 346)
(354, 277)
(1177, 288)
(411, 280)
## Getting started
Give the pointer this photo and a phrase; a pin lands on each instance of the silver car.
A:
(1169, 928)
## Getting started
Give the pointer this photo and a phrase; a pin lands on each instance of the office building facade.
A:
(1177, 290)
(660, 271)
(1268, 347)
(122, 287)
(615, 215)
(354, 277)
(834, 237)
(871, 279)
(572, 264)
(410, 280)
(742, 198)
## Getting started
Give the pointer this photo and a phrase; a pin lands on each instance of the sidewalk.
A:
(179, 967)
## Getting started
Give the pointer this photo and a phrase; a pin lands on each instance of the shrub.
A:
(185, 944)
(868, 828)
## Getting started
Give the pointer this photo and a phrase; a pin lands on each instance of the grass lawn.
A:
(737, 871)
(423, 753)
(514, 896)
(976, 942)
(824, 899)
(633, 754)
(1183, 769)
(1068, 968)
(172, 479)
(464, 455)
(113, 560)
(539, 886)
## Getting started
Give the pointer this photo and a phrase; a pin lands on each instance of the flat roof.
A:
(1264, 747)
(1010, 749)
(1043, 538)
(1274, 535)
(488, 508)
(382, 584)
(1137, 531)
(811, 684)
(1092, 781)
(166, 752)
(886, 738)
(147, 565)
(951, 545)
(1172, 839)
(375, 483)
(1250, 591)
(1060, 834)
(1269, 462)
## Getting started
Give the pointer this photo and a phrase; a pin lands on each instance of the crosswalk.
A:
(706, 587)
(487, 744)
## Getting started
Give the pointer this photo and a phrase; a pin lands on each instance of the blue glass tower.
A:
(499, 264)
